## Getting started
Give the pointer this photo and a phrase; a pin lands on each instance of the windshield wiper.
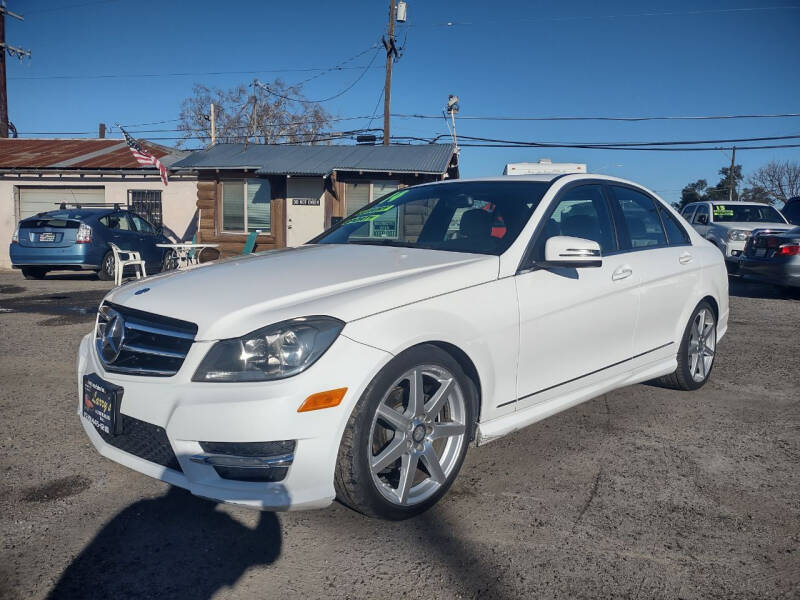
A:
(382, 242)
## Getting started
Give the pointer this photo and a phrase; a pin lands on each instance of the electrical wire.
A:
(750, 9)
(632, 144)
(188, 73)
(604, 118)
(341, 93)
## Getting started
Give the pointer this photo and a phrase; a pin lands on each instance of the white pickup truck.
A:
(728, 225)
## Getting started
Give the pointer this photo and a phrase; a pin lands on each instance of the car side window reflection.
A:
(580, 212)
(141, 225)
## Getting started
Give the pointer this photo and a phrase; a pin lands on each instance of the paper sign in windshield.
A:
(380, 208)
(721, 211)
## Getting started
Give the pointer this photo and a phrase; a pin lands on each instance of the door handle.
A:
(685, 258)
(622, 272)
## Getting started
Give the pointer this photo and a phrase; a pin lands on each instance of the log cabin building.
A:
(289, 194)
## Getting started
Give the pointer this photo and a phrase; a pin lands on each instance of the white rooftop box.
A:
(544, 167)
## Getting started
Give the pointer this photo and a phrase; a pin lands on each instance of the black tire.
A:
(34, 272)
(353, 479)
(682, 378)
(106, 272)
(170, 261)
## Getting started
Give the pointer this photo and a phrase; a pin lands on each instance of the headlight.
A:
(738, 235)
(274, 352)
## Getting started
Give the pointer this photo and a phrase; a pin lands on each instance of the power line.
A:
(188, 73)
(341, 93)
(616, 16)
(605, 118)
(634, 144)
(633, 148)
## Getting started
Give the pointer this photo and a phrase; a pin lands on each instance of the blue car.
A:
(78, 239)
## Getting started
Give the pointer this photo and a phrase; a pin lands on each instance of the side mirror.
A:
(566, 251)
(702, 219)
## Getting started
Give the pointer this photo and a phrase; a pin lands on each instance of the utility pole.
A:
(731, 178)
(391, 53)
(13, 51)
(213, 127)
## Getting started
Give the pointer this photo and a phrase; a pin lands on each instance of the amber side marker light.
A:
(320, 400)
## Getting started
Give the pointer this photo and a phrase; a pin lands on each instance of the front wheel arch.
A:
(465, 362)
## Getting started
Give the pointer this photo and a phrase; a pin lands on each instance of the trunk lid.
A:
(46, 232)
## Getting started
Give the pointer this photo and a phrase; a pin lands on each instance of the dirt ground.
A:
(642, 493)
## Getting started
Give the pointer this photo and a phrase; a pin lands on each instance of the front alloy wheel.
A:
(417, 435)
(406, 438)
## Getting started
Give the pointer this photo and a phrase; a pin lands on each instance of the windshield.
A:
(746, 213)
(482, 217)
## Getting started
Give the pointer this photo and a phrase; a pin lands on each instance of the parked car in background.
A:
(78, 238)
(773, 257)
(362, 365)
(728, 225)
(791, 210)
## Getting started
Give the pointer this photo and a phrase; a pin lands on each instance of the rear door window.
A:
(118, 221)
(640, 222)
(676, 234)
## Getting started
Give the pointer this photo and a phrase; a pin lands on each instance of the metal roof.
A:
(321, 160)
(25, 153)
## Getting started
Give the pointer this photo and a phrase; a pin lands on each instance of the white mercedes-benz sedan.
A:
(362, 365)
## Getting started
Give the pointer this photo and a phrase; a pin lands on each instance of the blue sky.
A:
(522, 58)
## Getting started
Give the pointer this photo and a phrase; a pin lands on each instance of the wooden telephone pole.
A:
(391, 53)
(14, 51)
(731, 178)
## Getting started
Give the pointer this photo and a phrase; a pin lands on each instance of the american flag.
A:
(142, 156)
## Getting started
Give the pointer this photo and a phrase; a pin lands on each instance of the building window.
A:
(246, 205)
(146, 203)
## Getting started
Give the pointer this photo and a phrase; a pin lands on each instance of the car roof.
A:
(75, 213)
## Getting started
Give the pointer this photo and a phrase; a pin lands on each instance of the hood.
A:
(750, 225)
(346, 281)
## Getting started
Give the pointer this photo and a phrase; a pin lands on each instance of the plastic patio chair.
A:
(133, 258)
(250, 244)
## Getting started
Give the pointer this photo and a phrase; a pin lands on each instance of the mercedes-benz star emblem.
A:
(112, 336)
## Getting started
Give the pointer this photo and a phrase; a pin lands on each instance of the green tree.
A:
(721, 191)
(694, 192)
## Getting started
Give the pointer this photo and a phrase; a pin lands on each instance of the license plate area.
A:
(47, 237)
(101, 403)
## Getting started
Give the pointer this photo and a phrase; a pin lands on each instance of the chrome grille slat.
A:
(151, 345)
(157, 330)
(153, 351)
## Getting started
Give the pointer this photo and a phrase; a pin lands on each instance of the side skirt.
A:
(489, 431)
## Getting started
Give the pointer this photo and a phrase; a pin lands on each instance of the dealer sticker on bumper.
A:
(101, 401)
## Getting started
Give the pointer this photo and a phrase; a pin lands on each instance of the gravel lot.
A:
(641, 493)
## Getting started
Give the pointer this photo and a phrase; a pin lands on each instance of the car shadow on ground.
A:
(172, 546)
(745, 288)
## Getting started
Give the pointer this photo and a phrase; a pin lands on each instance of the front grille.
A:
(141, 343)
(144, 440)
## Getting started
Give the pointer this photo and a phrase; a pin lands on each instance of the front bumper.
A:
(191, 412)
(733, 250)
(783, 272)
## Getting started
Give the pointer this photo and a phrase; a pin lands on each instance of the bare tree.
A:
(273, 114)
(781, 180)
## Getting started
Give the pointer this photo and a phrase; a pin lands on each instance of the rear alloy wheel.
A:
(407, 437)
(34, 272)
(697, 351)
(106, 272)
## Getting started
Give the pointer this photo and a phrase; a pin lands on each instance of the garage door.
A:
(36, 200)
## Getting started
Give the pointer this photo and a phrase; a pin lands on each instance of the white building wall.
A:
(178, 199)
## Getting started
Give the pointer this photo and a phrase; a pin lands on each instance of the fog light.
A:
(248, 461)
